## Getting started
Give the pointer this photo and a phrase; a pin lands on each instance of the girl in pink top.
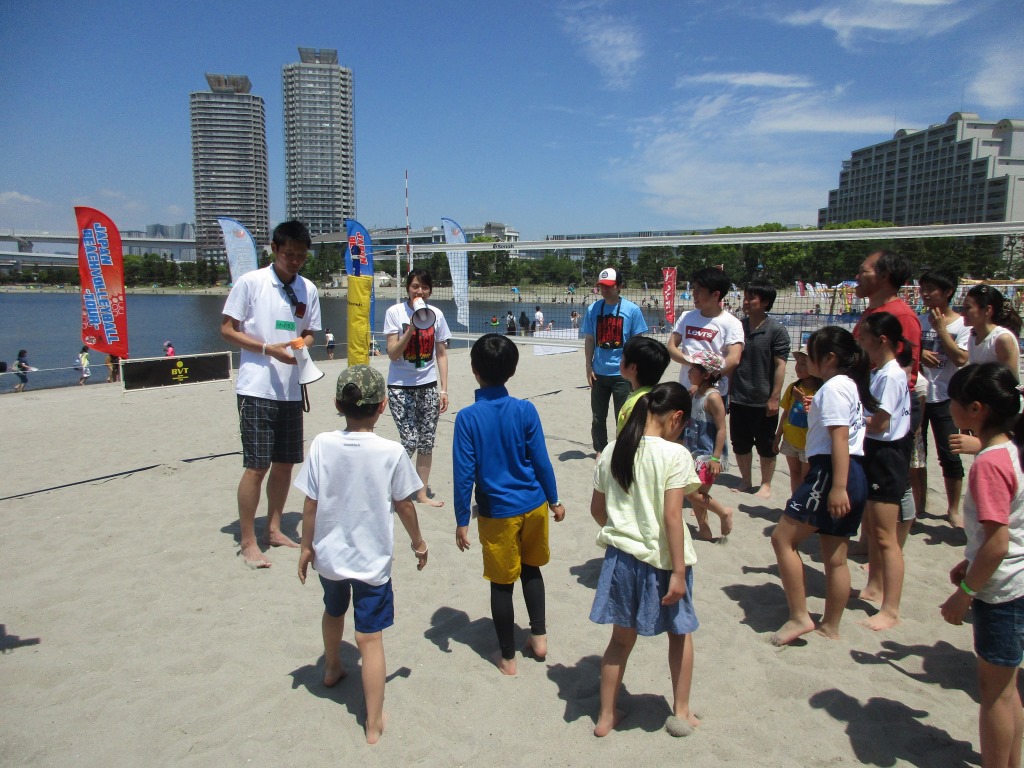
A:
(990, 581)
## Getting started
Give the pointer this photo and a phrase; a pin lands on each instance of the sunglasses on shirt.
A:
(299, 306)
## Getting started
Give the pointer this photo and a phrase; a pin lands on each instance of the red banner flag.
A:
(100, 265)
(668, 293)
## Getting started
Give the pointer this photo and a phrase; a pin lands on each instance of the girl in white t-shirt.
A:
(996, 326)
(990, 581)
(646, 582)
(887, 462)
(830, 501)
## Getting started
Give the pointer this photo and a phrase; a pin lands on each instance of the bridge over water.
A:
(179, 249)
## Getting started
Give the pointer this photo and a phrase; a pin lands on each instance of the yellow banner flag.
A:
(359, 291)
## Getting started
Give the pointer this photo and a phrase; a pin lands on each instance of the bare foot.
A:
(253, 557)
(880, 621)
(278, 539)
(606, 725)
(791, 630)
(869, 596)
(429, 502)
(829, 633)
(537, 646)
(507, 666)
(373, 734)
(742, 489)
(727, 522)
(765, 492)
(955, 519)
(680, 726)
(334, 675)
(704, 532)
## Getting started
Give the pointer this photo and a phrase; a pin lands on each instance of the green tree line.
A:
(782, 263)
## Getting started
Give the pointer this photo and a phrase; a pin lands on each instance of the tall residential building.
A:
(962, 171)
(319, 141)
(229, 162)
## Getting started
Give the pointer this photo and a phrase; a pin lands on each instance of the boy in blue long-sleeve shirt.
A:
(499, 447)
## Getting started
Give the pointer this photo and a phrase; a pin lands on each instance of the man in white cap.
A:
(607, 326)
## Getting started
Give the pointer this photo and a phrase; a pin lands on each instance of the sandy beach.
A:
(132, 634)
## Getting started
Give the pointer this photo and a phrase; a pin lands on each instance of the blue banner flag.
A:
(359, 258)
(458, 263)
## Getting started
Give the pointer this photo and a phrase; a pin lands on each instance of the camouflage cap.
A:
(372, 388)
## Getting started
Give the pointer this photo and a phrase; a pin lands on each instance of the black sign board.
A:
(171, 371)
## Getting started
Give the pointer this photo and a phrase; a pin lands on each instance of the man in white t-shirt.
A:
(267, 309)
(538, 318)
(944, 338)
(707, 327)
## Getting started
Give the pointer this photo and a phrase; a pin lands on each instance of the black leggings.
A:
(504, 614)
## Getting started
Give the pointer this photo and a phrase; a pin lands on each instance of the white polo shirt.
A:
(259, 303)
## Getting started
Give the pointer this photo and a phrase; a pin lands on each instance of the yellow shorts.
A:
(508, 542)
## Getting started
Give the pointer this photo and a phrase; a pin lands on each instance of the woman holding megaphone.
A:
(416, 334)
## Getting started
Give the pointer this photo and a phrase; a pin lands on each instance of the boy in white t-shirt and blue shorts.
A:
(348, 530)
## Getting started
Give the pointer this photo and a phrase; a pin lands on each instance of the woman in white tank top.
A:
(996, 327)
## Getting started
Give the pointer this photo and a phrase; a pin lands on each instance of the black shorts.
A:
(750, 426)
(887, 466)
(271, 431)
(809, 504)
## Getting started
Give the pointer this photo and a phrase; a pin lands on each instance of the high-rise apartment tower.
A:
(962, 171)
(319, 141)
(229, 162)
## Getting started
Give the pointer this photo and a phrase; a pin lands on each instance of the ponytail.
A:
(664, 398)
(880, 324)
(1002, 312)
(850, 359)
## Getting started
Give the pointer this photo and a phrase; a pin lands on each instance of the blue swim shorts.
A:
(809, 504)
(374, 606)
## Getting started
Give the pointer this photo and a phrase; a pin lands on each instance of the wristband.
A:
(264, 350)
(556, 504)
(712, 458)
(425, 548)
(441, 392)
(970, 592)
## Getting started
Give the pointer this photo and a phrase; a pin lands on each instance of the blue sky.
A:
(553, 117)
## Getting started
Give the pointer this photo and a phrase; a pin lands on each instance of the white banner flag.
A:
(458, 264)
(240, 246)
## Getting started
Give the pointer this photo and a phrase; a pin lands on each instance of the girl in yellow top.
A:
(646, 581)
(791, 435)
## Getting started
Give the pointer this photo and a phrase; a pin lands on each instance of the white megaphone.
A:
(423, 317)
(308, 372)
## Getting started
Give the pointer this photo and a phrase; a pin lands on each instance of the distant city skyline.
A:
(563, 117)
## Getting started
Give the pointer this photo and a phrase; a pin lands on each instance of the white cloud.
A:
(747, 79)
(611, 44)
(884, 20)
(999, 83)
(9, 198)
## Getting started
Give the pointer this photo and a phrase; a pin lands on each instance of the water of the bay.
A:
(48, 326)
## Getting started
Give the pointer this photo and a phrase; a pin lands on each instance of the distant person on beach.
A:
(499, 449)
(168, 349)
(419, 364)
(348, 530)
(82, 366)
(607, 325)
(510, 324)
(524, 324)
(646, 581)
(21, 369)
(267, 309)
(113, 369)
(330, 343)
(538, 318)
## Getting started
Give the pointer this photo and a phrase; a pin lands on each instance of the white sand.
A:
(134, 635)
